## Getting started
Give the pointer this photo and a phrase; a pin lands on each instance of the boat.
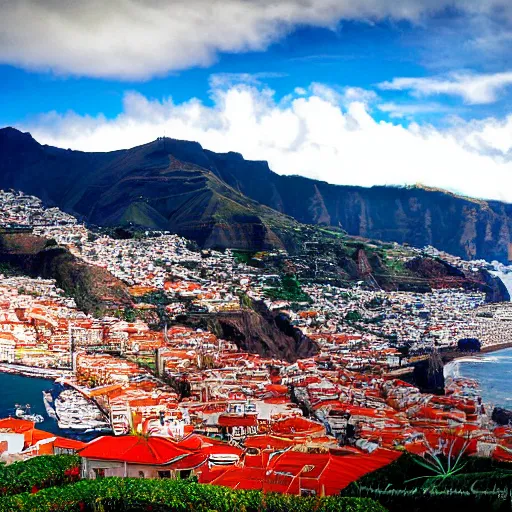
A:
(49, 404)
(75, 412)
(98, 430)
(23, 413)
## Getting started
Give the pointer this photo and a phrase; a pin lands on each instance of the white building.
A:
(7, 347)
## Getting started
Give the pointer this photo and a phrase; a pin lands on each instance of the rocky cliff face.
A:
(258, 331)
(224, 200)
(419, 216)
(428, 375)
(94, 289)
(440, 274)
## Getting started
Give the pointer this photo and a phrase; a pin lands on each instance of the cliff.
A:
(258, 331)
(419, 216)
(94, 289)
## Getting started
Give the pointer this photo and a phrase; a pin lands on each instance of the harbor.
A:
(78, 419)
(32, 371)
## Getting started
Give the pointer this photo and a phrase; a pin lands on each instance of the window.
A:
(185, 473)
(307, 492)
(99, 472)
(164, 474)
(141, 474)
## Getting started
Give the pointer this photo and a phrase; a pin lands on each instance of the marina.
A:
(41, 398)
(74, 411)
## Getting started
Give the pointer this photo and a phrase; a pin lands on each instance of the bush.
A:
(38, 473)
(290, 290)
(131, 494)
(353, 316)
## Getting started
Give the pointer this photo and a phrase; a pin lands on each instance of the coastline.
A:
(495, 348)
(452, 356)
(33, 372)
(450, 370)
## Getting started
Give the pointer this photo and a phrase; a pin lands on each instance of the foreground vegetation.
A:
(471, 483)
(38, 473)
(50, 483)
(132, 494)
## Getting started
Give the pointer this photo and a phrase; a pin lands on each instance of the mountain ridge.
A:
(221, 199)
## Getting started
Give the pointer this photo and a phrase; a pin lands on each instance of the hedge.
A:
(131, 494)
(483, 485)
(37, 473)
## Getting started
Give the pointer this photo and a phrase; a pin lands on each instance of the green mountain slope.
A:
(224, 200)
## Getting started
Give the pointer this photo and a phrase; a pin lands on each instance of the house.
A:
(19, 439)
(137, 456)
(237, 426)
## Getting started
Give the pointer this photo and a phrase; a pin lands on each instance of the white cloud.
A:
(137, 39)
(473, 88)
(306, 134)
(410, 110)
(489, 136)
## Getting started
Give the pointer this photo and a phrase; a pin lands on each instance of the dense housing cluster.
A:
(182, 400)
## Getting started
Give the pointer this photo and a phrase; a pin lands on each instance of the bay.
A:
(492, 370)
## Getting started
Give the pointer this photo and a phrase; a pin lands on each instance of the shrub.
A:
(130, 495)
(290, 290)
(38, 473)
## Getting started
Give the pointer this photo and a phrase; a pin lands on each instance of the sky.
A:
(361, 93)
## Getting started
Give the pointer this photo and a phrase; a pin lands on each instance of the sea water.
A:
(492, 370)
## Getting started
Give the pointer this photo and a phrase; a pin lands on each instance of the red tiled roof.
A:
(189, 462)
(197, 442)
(276, 389)
(241, 478)
(60, 442)
(325, 473)
(16, 425)
(268, 441)
(297, 426)
(134, 449)
(291, 471)
(226, 420)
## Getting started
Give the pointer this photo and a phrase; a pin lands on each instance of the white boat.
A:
(75, 412)
(48, 404)
(23, 413)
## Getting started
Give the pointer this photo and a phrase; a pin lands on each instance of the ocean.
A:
(492, 370)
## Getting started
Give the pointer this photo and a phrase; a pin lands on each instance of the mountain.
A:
(149, 186)
(225, 200)
(419, 216)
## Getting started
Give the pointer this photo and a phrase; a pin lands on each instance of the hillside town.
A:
(176, 400)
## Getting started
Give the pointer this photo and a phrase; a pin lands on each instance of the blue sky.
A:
(324, 78)
(355, 54)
